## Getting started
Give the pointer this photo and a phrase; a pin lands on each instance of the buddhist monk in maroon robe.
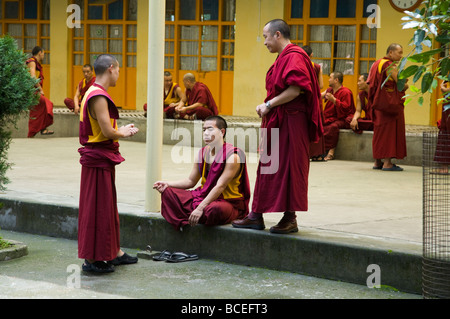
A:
(84, 85)
(224, 193)
(290, 122)
(317, 149)
(41, 115)
(442, 155)
(98, 221)
(389, 136)
(200, 101)
(358, 123)
(174, 97)
(339, 107)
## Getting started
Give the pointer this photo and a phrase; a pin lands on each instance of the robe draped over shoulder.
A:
(282, 183)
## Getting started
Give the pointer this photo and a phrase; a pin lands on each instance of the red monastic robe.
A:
(169, 98)
(364, 123)
(41, 115)
(317, 148)
(201, 94)
(337, 115)
(178, 204)
(282, 175)
(98, 221)
(389, 136)
(83, 86)
(442, 155)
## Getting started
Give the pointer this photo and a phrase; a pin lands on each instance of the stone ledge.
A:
(330, 255)
(17, 250)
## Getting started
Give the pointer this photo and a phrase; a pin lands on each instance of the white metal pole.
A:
(155, 87)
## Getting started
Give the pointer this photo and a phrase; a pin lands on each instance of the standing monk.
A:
(291, 111)
(98, 221)
(338, 109)
(41, 115)
(84, 85)
(316, 150)
(442, 155)
(389, 137)
(200, 102)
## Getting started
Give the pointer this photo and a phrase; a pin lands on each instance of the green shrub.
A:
(17, 95)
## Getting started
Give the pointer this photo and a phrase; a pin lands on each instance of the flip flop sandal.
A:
(47, 132)
(181, 257)
(394, 168)
(164, 255)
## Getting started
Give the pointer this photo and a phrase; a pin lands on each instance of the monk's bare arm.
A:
(32, 67)
(182, 96)
(286, 96)
(194, 106)
(187, 183)
(320, 79)
(357, 115)
(98, 106)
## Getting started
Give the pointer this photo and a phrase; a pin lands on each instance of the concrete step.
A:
(325, 254)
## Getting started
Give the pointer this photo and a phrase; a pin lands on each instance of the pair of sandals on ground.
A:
(173, 257)
(322, 158)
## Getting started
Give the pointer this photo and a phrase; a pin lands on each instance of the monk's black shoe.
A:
(97, 267)
(125, 259)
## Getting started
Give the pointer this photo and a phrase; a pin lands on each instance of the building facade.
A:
(220, 41)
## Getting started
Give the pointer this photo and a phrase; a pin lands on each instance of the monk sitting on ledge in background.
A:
(200, 102)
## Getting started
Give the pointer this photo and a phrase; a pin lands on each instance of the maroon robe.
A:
(41, 115)
(318, 148)
(337, 115)
(201, 94)
(98, 221)
(298, 123)
(366, 123)
(178, 204)
(442, 155)
(82, 88)
(389, 133)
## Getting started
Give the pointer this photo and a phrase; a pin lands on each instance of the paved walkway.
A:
(346, 198)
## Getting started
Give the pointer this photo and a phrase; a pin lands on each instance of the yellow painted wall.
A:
(252, 59)
(60, 58)
(142, 54)
(391, 32)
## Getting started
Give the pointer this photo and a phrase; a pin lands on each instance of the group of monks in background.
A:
(340, 112)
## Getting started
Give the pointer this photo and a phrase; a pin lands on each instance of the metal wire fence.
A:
(436, 215)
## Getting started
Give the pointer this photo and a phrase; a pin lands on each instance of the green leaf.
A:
(414, 89)
(419, 73)
(427, 81)
(445, 66)
(401, 84)
(421, 101)
(408, 72)
(424, 57)
(408, 101)
(419, 35)
(443, 38)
